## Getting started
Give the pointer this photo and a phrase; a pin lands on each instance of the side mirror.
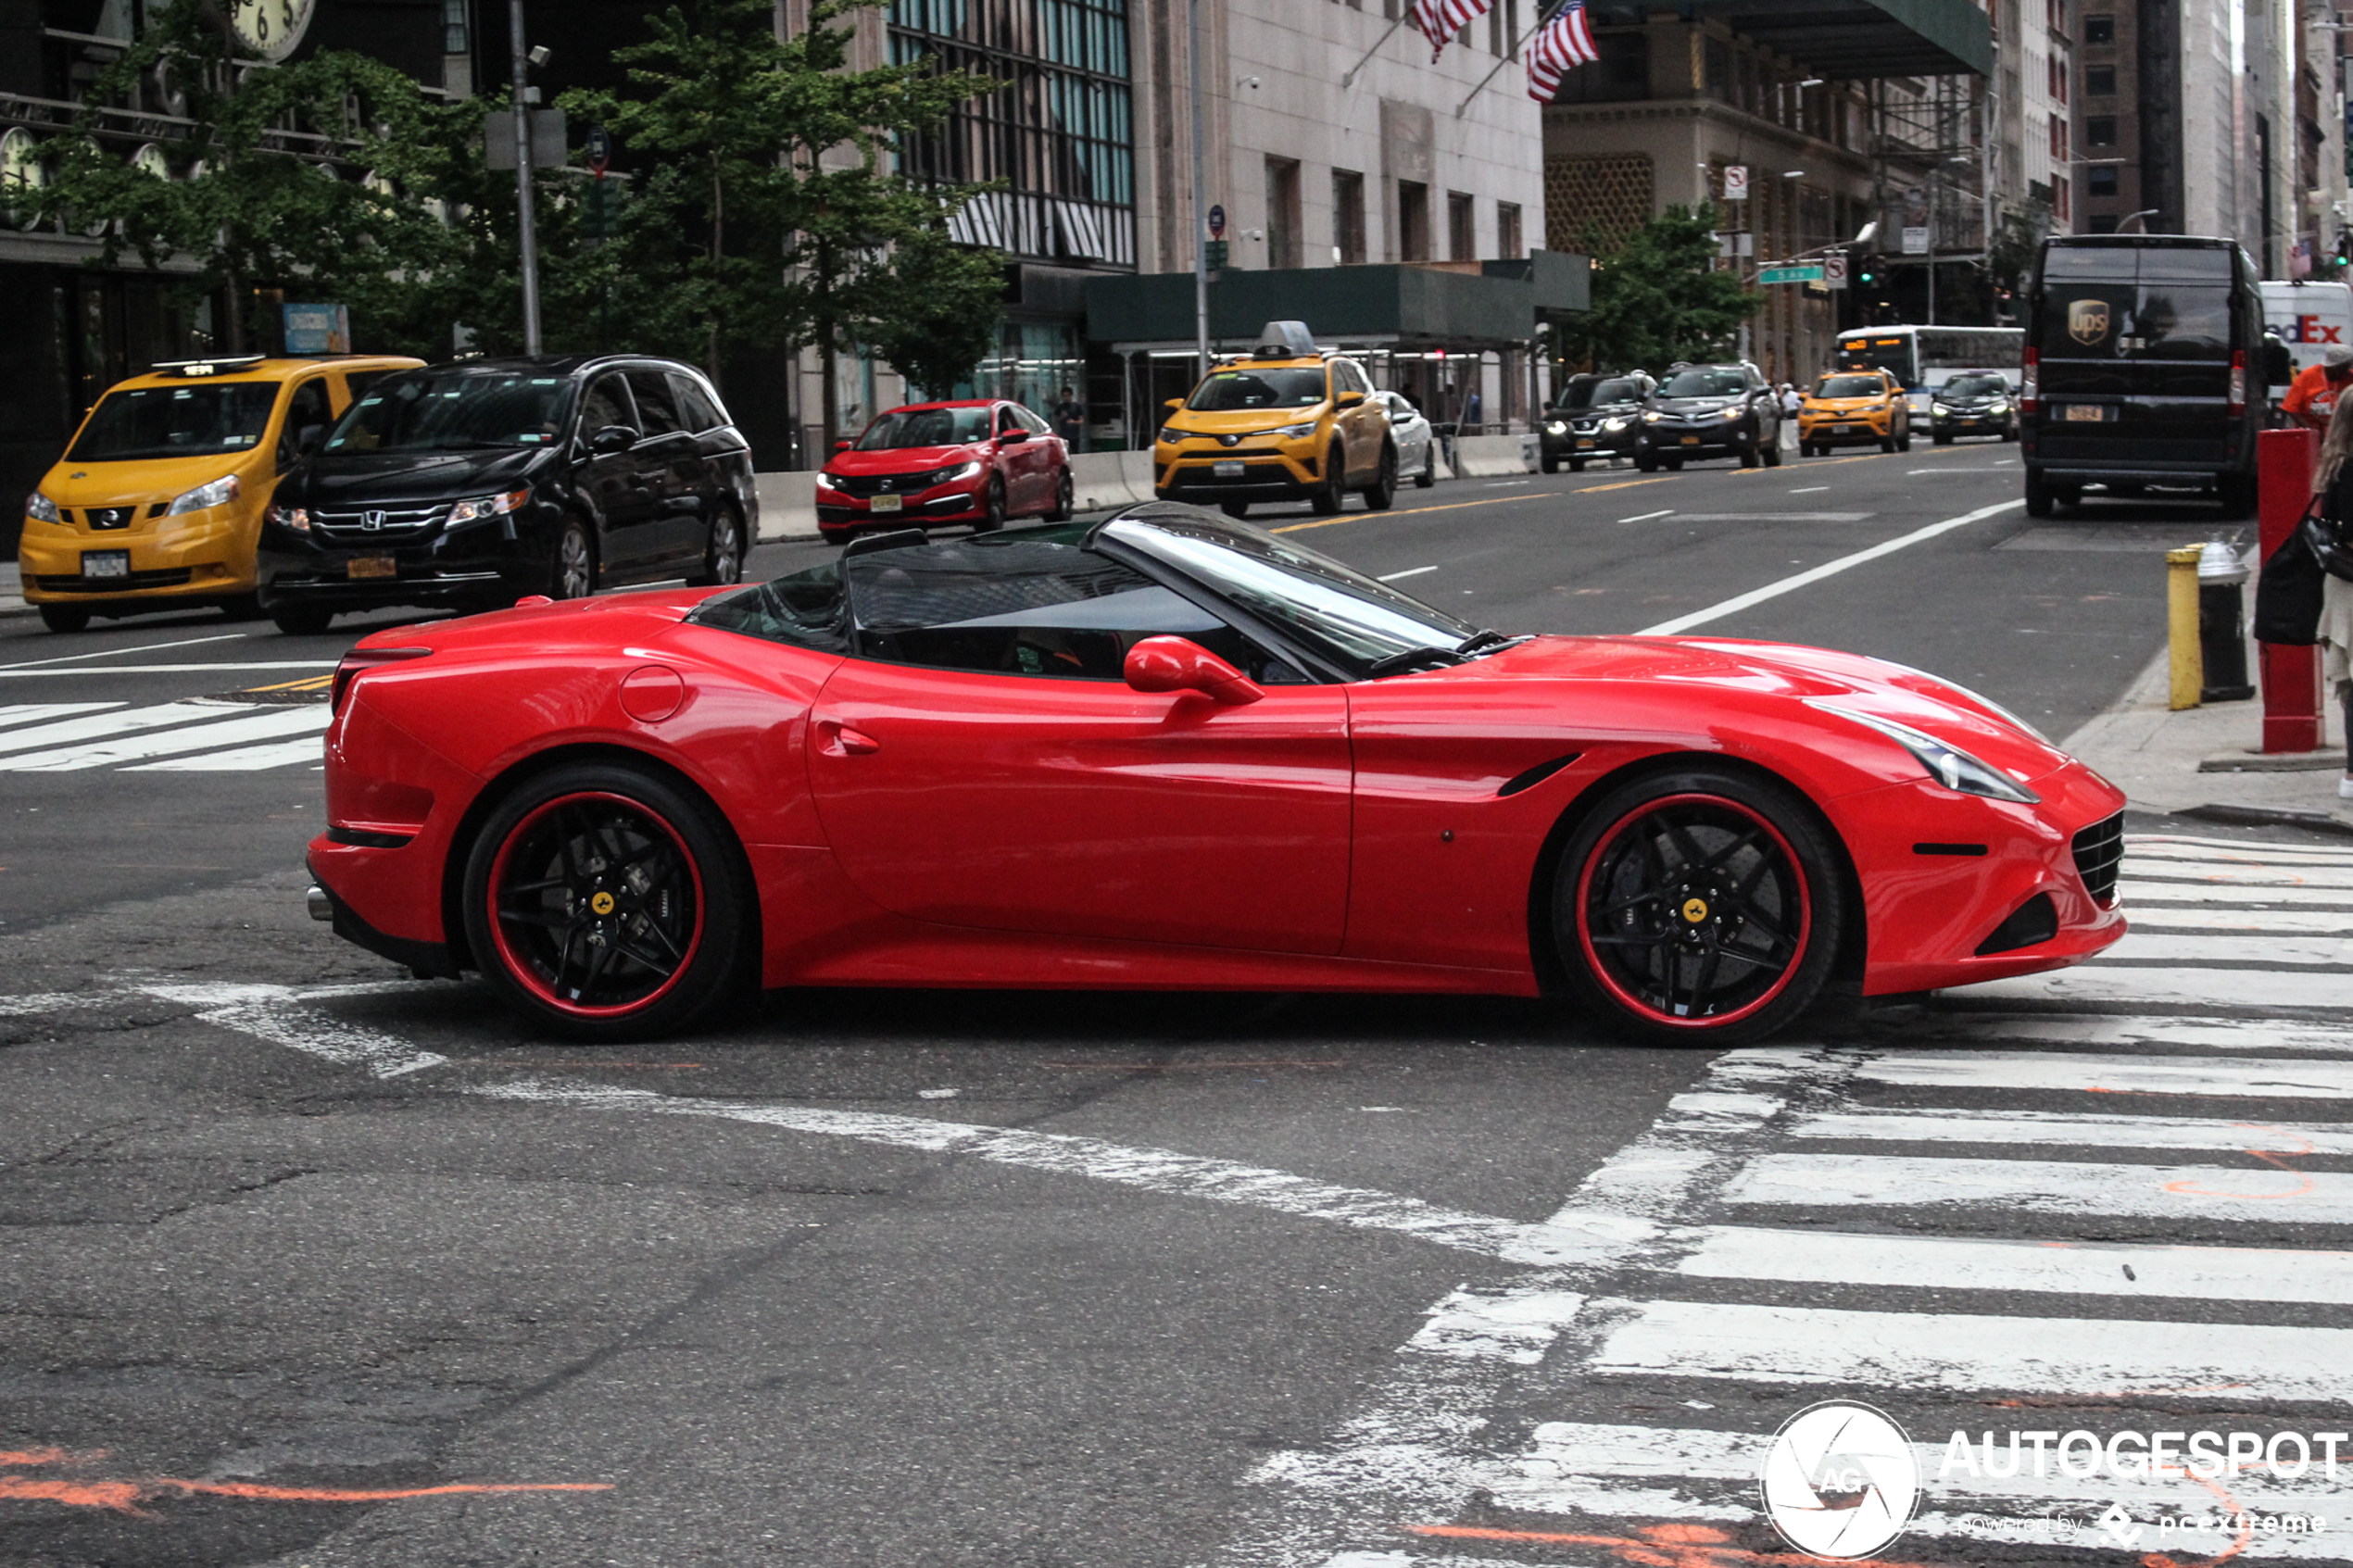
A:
(842, 446)
(1174, 664)
(1012, 437)
(308, 437)
(1174, 404)
(612, 439)
(1347, 399)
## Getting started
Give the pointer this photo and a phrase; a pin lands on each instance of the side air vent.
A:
(2034, 920)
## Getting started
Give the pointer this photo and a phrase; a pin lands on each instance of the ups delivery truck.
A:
(2142, 369)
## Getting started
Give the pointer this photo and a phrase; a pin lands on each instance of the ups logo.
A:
(2087, 320)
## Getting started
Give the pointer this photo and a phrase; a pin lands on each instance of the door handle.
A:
(836, 739)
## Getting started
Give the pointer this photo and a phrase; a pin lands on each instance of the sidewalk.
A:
(2203, 761)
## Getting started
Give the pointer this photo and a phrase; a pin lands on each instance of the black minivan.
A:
(468, 485)
(2143, 368)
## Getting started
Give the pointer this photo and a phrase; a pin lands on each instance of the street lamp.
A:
(2137, 216)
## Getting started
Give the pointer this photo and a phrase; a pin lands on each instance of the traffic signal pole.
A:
(1201, 221)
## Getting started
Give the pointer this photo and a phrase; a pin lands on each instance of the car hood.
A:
(1844, 405)
(1697, 405)
(1244, 422)
(1979, 401)
(1816, 679)
(1597, 410)
(82, 485)
(349, 479)
(902, 459)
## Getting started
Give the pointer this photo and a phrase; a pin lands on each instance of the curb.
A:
(2326, 761)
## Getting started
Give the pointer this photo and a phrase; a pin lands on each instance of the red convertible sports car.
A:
(1168, 751)
(978, 461)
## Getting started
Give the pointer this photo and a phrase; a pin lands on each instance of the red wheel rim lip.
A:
(523, 973)
(1600, 971)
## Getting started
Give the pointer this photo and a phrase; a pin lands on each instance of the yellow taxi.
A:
(1849, 407)
(1288, 423)
(157, 502)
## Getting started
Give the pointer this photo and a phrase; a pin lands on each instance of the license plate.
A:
(105, 563)
(1842, 430)
(2085, 413)
(371, 566)
(1691, 440)
(1227, 470)
(887, 503)
(1582, 445)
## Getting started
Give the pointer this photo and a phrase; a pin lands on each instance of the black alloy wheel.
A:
(573, 573)
(1698, 906)
(992, 514)
(609, 903)
(302, 620)
(64, 617)
(1381, 493)
(722, 561)
(1066, 499)
(1327, 497)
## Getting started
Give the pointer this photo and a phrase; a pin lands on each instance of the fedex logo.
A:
(2309, 329)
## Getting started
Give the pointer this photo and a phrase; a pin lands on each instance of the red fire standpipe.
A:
(2291, 675)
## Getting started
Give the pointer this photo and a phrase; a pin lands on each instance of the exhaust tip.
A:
(319, 904)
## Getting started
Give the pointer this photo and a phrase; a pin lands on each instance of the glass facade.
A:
(1060, 134)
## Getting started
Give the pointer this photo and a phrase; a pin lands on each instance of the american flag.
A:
(1562, 45)
(1439, 21)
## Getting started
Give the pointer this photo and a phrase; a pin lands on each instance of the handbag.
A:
(2324, 537)
(2287, 594)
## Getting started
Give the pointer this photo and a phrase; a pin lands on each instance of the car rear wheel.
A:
(1332, 493)
(1381, 493)
(2038, 495)
(1428, 474)
(1066, 499)
(64, 617)
(572, 574)
(607, 902)
(1904, 442)
(1748, 454)
(722, 561)
(301, 621)
(1698, 906)
(1773, 454)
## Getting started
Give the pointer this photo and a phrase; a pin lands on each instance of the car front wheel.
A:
(1328, 496)
(607, 902)
(1698, 906)
(992, 514)
(64, 617)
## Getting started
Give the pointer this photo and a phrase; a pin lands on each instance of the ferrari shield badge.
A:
(2087, 320)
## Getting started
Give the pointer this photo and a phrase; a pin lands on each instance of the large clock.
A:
(21, 175)
(269, 27)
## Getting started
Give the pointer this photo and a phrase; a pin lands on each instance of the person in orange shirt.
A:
(2311, 396)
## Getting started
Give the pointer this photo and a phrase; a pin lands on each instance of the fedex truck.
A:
(2309, 318)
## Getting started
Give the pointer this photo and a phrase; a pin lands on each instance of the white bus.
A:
(1923, 358)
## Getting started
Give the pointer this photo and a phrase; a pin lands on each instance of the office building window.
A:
(1507, 241)
(1282, 212)
(1461, 228)
(2099, 82)
(1348, 216)
(2100, 183)
(2099, 30)
(2099, 131)
(1413, 221)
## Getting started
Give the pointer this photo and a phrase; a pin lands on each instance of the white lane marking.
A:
(1808, 489)
(2052, 1128)
(1739, 602)
(173, 669)
(2238, 874)
(123, 722)
(2255, 1194)
(124, 748)
(1645, 517)
(110, 653)
(1915, 1351)
(245, 759)
(2210, 1273)
(279, 1014)
(1399, 576)
(2164, 987)
(34, 713)
(2116, 1074)
(2142, 891)
(1506, 483)
(2285, 952)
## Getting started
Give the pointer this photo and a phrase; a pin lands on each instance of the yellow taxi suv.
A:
(1289, 423)
(1852, 409)
(157, 502)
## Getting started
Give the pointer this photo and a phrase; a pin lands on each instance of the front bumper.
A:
(481, 567)
(1691, 440)
(1832, 430)
(1262, 472)
(1578, 446)
(963, 501)
(1971, 424)
(196, 557)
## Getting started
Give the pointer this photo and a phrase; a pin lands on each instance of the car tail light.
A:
(2030, 383)
(2238, 383)
(358, 659)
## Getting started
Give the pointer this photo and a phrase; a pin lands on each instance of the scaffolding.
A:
(1928, 150)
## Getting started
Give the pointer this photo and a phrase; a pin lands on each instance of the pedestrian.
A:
(1792, 399)
(1070, 416)
(2311, 398)
(2333, 481)
(1472, 414)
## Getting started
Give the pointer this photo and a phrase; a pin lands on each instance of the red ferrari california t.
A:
(1169, 750)
(979, 461)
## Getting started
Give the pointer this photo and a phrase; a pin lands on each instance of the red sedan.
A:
(979, 461)
(1168, 751)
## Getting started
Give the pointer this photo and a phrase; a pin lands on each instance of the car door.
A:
(983, 765)
(670, 465)
(1018, 459)
(613, 484)
(1366, 425)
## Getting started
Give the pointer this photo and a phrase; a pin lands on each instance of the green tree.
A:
(303, 178)
(1658, 297)
(768, 210)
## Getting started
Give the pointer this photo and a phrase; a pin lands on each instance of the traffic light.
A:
(1868, 270)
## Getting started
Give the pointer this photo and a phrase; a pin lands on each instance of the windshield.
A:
(1704, 383)
(1230, 389)
(476, 409)
(1977, 386)
(1850, 386)
(1351, 620)
(176, 421)
(902, 428)
(1591, 394)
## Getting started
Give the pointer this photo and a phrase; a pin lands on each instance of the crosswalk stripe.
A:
(2177, 987)
(2277, 1196)
(2086, 1357)
(2142, 894)
(2168, 917)
(2238, 846)
(2128, 1029)
(2240, 1078)
(2217, 949)
(246, 759)
(98, 753)
(1826, 1258)
(2250, 875)
(32, 713)
(1944, 1125)
(2238, 855)
(127, 720)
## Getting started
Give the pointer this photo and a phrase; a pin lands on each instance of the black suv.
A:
(468, 485)
(1710, 411)
(1594, 417)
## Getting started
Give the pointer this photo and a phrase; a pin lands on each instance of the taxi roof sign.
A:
(222, 366)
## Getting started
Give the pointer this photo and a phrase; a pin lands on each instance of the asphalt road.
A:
(306, 1264)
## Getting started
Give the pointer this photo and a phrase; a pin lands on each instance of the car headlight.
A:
(1171, 433)
(40, 508)
(1939, 407)
(1616, 424)
(1297, 433)
(1998, 407)
(961, 470)
(291, 517)
(1556, 427)
(1948, 765)
(487, 506)
(220, 492)
(1652, 416)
